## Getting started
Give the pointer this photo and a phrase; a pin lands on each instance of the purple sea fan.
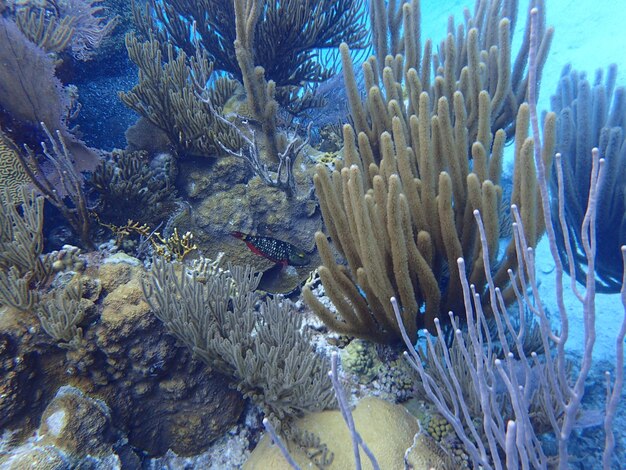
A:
(29, 91)
(90, 27)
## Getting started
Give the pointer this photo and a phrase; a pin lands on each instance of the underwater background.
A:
(197, 254)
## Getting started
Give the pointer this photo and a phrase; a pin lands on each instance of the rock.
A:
(31, 457)
(114, 274)
(427, 454)
(185, 413)
(386, 428)
(18, 371)
(169, 400)
(76, 424)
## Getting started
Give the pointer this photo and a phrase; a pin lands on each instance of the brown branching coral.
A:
(49, 32)
(167, 95)
(130, 188)
(22, 265)
(289, 34)
(266, 354)
(260, 95)
(401, 231)
(173, 94)
(474, 58)
(60, 313)
(67, 192)
(400, 211)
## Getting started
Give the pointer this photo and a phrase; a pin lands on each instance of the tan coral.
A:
(386, 428)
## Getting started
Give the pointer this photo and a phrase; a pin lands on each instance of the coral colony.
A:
(258, 234)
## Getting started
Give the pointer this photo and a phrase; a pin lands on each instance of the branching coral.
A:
(167, 95)
(400, 212)
(269, 358)
(260, 93)
(474, 58)
(49, 32)
(289, 34)
(74, 25)
(177, 94)
(592, 116)
(60, 313)
(68, 185)
(21, 244)
(130, 189)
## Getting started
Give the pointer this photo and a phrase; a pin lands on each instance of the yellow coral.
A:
(172, 247)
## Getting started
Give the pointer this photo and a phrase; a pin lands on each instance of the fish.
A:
(275, 250)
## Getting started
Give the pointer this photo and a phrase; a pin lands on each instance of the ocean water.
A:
(134, 395)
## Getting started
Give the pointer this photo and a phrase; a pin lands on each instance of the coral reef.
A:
(166, 95)
(147, 348)
(224, 198)
(165, 386)
(397, 381)
(154, 389)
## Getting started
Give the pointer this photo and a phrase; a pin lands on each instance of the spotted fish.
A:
(278, 251)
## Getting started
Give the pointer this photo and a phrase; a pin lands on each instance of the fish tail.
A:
(238, 235)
